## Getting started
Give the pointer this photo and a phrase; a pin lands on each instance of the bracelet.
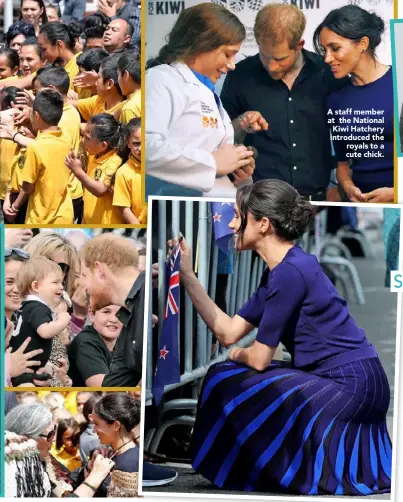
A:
(89, 486)
(15, 134)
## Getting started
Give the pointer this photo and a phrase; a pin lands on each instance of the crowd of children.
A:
(70, 118)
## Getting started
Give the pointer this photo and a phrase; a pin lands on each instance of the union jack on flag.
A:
(168, 366)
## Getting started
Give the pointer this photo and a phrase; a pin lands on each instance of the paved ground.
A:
(377, 317)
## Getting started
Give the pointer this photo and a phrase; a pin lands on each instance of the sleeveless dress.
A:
(314, 426)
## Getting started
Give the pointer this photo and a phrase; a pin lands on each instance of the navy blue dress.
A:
(315, 426)
(374, 168)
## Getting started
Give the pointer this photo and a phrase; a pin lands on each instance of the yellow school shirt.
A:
(44, 166)
(17, 167)
(132, 107)
(70, 125)
(66, 459)
(7, 152)
(72, 69)
(95, 105)
(127, 190)
(99, 210)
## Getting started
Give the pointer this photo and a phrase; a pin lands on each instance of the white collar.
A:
(34, 298)
(186, 73)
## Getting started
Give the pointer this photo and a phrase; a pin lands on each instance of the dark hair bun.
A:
(120, 407)
(280, 203)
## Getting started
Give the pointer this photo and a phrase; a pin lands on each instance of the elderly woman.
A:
(34, 422)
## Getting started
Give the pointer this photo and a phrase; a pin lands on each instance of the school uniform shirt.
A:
(186, 123)
(70, 125)
(17, 167)
(127, 189)
(132, 107)
(44, 166)
(7, 153)
(100, 209)
(94, 106)
(33, 313)
(72, 69)
(88, 356)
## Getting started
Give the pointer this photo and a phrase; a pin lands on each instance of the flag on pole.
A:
(168, 366)
(223, 213)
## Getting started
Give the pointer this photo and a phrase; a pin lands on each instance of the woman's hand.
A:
(21, 363)
(252, 122)
(101, 468)
(229, 158)
(380, 195)
(18, 237)
(186, 266)
(240, 175)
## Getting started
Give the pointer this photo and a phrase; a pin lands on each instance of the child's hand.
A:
(64, 318)
(73, 162)
(22, 114)
(27, 132)
(7, 131)
(72, 95)
(86, 79)
(25, 97)
(10, 214)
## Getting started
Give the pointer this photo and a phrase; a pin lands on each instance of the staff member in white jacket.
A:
(189, 136)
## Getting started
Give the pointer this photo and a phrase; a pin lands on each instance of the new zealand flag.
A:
(168, 367)
(223, 212)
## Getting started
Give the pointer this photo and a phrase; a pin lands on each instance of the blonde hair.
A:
(49, 243)
(278, 23)
(114, 250)
(35, 269)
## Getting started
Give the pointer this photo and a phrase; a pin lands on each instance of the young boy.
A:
(54, 77)
(109, 98)
(127, 195)
(89, 61)
(129, 76)
(45, 177)
(91, 351)
(40, 283)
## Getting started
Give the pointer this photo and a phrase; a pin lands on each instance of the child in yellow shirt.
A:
(127, 194)
(54, 77)
(88, 61)
(45, 177)
(9, 64)
(103, 141)
(8, 148)
(109, 97)
(129, 76)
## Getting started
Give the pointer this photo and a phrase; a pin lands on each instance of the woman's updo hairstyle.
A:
(121, 407)
(199, 29)
(352, 22)
(278, 201)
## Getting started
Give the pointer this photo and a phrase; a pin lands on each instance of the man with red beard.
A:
(109, 266)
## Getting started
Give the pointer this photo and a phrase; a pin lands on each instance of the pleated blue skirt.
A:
(291, 431)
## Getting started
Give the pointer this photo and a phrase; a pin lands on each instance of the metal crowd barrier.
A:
(196, 351)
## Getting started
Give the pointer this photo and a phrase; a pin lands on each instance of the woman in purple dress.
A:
(317, 425)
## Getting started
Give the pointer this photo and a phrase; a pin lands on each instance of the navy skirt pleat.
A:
(287, 430)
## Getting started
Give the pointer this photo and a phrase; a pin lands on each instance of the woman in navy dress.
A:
(317, 425)
(360, 114)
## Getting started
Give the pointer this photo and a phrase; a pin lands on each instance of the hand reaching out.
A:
(73, 162)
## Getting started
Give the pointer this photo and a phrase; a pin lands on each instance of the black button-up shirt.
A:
(127, 360)
(296, 148)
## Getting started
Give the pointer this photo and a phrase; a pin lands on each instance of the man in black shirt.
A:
(287, 86)
(110, 269)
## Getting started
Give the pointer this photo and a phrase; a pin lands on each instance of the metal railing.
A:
(194, 220)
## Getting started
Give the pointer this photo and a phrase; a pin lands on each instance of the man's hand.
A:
(252, 122)
(107, 8)
(85, 80)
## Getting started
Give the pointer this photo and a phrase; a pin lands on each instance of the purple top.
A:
(297, 304)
